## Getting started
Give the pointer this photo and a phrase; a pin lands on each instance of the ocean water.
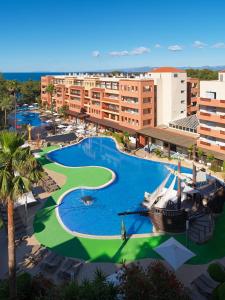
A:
(29, 75)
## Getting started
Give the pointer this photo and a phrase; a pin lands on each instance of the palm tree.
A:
(13, 88)
(18, 170)
(50, 89)
(6, 104)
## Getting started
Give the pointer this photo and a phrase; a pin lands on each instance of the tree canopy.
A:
(202, 74)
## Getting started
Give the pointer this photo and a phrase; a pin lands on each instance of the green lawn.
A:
(50, 233)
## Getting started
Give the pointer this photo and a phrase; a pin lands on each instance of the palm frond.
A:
(5, 184)
(10, 141)
(21, 185)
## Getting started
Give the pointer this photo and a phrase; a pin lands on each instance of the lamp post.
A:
(123, 231)
(179, 185)
(26, 211)
(29, 132)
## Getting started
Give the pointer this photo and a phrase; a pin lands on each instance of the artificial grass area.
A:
(51, 234)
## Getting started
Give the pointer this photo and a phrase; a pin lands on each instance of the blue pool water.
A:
(27, 117)
(134, 176)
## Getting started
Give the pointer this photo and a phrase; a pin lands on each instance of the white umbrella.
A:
(81, 131)
(49, 121)
(55, 114)
(25, 198)
(58, 120)
(174, 253)
(61, 126)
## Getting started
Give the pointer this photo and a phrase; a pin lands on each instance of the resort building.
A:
(211, 115)
(193, 91)
(144, 106)
(108, 101)
(171, 94)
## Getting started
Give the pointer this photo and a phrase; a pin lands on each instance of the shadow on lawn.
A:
(43, 215)
(72, 248)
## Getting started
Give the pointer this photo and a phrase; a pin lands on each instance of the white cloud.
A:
(198, 44)
(96, 53)
(119, 53)
(218, 45)
(139, 51)
(158, 46)
(175, 48)
(135, 51)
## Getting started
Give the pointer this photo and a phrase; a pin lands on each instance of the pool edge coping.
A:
(90, 236)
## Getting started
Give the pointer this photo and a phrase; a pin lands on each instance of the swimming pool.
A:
(134, 176)
(27, 117)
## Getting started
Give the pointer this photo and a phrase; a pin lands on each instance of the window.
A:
(146, 111)
(146, 88)
(175, 75)
(146, 122)
(182, 81)
(182, 101)
(182, 91)
(181, 111)
(147, 100)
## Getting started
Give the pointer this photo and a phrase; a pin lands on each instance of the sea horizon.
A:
(25, 76)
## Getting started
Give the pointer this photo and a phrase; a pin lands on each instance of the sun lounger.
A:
(52, 263)
(49, 258)
(71, 272)
(53, 266)
(34, 250)
(209, 281)
(204, 288)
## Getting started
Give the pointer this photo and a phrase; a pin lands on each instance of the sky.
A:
(75, 35)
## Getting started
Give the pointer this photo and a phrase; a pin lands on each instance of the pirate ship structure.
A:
(191, 207)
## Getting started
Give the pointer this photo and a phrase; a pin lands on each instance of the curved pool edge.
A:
(90, 236)
(117, 147)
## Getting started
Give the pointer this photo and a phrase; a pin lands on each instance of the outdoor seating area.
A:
(162, 152)
(20, 228)
(49, 184)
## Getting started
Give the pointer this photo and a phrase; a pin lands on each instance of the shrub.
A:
(4, 290)
(154, 282)
(158, 152)
(217, 272)
(98, 289)
(23, 284)
(221, 292)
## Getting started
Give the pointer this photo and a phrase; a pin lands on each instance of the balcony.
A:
(209, 145)
(218, 117)
(211, 102)
(129, 114)
(212, 131)
(111, 99)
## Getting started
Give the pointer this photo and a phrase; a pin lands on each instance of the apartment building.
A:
(127, 102)
(171, 94)
(193, 92)
(211, 115)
